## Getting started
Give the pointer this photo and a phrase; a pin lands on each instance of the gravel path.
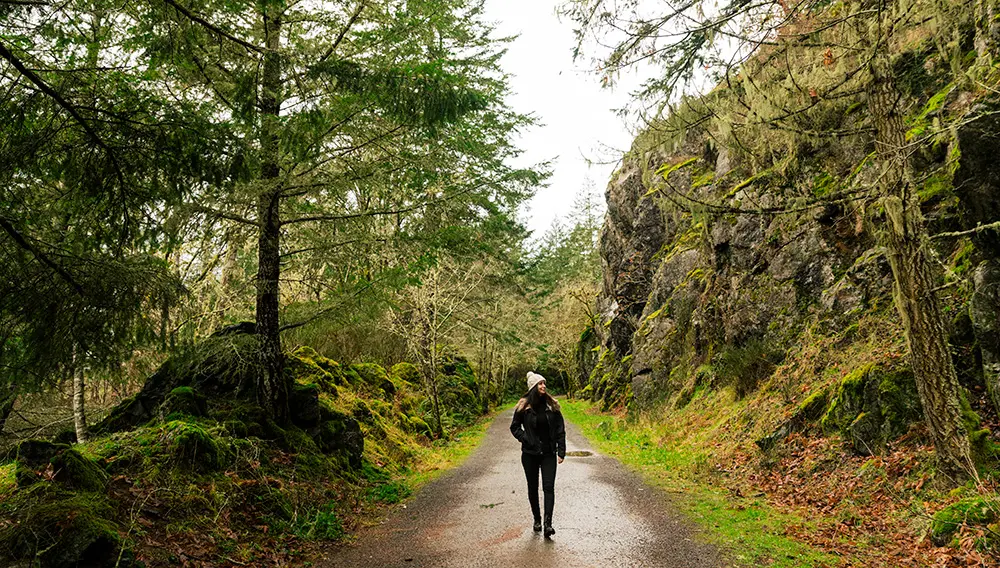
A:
(477, 516)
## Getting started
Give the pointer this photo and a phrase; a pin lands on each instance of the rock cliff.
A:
(720, 268)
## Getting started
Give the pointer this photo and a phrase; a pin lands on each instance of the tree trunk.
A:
(272, 390)
(79, 392)
(7, 405)
(987, 31)
(906, 245)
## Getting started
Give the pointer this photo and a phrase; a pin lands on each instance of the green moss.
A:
(54, 529)
(813, 406)
(970, 511)
(184, 401)
(873, 406)
(405, 372)
(375, 377)
(192, 446)
(77, 472)
(305, 366)
(8, 480)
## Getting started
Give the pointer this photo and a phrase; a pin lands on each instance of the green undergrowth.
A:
(203, 468)
(747, 528)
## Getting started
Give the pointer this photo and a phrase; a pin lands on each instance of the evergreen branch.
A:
(343, 32)
(212, 27)
(23, 243)
(221, 214)
(54, 95)
(379, 213)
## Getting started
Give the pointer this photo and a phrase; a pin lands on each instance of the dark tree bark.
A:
(272, 390)
(906, 245)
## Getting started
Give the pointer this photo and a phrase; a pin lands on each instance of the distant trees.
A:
(841, 51)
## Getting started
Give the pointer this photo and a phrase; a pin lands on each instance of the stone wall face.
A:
(695, 263)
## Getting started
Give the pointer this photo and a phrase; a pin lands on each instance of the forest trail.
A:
(477, 516)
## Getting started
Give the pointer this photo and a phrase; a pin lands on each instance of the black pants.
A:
(547, 464)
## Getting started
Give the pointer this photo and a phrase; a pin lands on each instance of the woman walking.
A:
(538, 425)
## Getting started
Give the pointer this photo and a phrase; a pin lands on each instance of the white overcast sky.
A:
(577, 119)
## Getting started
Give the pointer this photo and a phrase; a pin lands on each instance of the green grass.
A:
(7, 481)
(748, 529)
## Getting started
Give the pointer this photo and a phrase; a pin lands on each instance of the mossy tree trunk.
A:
(272, 390)
(906, 243)
(987, 31)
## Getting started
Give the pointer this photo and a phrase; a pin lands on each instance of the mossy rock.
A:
(33, 458)
(303, 403)
(236, 428)
(814, 406)
(375, 377)
(873, 406)
(973, 511)
(306, 366)
(184, 401)
(341, 437)
(53, 529)
(362, 411)
(406, 373)
(75, 471)
(192, 447)
(298, 441)
(418, 425)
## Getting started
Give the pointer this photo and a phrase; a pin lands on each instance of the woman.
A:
(539, 426)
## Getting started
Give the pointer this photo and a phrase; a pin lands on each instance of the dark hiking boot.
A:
(537, 527)
(549, 531)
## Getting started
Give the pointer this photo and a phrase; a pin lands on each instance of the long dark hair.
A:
(537, 400)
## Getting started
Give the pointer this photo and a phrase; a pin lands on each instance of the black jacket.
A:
(524, 427)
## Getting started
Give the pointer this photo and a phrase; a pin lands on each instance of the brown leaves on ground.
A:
(871, 512)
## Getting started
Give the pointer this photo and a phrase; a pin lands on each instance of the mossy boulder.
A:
(307, 366)
(340, 436)
(191, 446)
(33, 458)
(970, 511)
(873, 406)
(418, 425)
(77, 472)
(184, 401)
(376, 377)
(220, 365)
(303, 403)
(406, 373)
(53, 529)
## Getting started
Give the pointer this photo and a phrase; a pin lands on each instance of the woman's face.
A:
(541, 387)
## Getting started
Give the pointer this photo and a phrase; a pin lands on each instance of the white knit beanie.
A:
(534, 379)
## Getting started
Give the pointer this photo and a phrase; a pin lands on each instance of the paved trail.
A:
(477, 516)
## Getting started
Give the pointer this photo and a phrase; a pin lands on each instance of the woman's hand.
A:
(560, 460)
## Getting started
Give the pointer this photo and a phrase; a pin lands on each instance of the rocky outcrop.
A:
(706, 282)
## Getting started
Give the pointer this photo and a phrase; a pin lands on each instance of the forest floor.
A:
(477, 515)
(809, 503)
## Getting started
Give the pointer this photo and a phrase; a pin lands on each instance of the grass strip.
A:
(748, 529)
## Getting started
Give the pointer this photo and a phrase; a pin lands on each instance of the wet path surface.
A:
(477, 516)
